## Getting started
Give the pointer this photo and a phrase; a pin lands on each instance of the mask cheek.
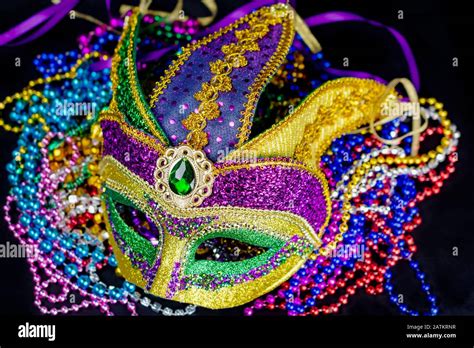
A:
(134, 233)
(256, 263)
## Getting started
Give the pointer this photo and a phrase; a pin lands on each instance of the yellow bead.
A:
(431, 101)
(86, 142)
(446, 123)
(93, 168)
(438, 105)
(118, 273)
(93, 180)
(58, 154)
(98, 218)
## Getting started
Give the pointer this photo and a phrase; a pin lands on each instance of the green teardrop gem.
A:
(182, 177)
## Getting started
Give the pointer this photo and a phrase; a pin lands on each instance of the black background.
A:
(438, 31)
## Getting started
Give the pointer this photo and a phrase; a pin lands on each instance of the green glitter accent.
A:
(252, 237)
(124, 96)
(219, 280)
(137, 243)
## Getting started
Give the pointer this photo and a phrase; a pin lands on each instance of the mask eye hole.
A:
(227, 249)
(139, 222)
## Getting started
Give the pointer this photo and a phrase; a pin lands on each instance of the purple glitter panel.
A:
(272, 188)
(177, 101)
(134, 155)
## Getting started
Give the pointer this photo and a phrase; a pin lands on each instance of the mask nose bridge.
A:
(167, 279)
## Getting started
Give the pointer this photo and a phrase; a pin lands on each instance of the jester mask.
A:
(182, 177)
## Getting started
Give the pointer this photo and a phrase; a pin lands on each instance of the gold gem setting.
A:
(203, 171)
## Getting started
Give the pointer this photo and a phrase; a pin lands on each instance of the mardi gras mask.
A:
(182, 177)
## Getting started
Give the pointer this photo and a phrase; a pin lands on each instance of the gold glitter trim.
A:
(337, 107)
(239, 294)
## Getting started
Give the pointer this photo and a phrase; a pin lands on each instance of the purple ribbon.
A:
(335, 17)
(108, 7)
(47, 18)
(321, 19)
(50, 16)
(157, 54)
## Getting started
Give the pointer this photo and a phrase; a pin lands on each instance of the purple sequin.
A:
(188, 80)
